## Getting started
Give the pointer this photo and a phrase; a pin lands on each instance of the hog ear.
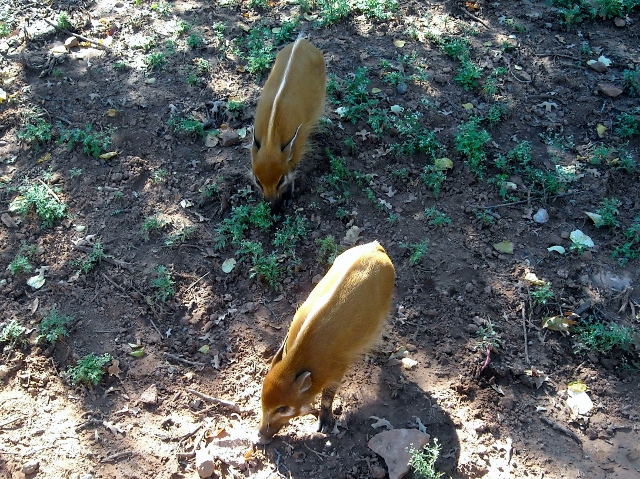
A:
(281, 352)
(292, 142)
(302, 382)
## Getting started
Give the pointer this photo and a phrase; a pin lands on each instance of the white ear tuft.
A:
(302, 382)
(291, 144)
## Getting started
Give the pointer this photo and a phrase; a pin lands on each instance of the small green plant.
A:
(416, 251)
(182, 27)
(352, 95)
(188, 126)
(155, 60)
(163, 284)
(631, 81)
(423, 461)
(293, 229)
(627, 125)
(608, 213)
(92, 259)
(339, 174)
(182, 236)
(485, 216)
(75, 172)
(593, 335)
(258, 4)
(35, 133)
(163, 9)
(195, 40)
(57, 73)
(455, 47)
(378, 9)
(40, 198)
(192, 78)
(54, 326)
(630, 249)
(63, 21)
(152, 224)
(433, 177)
(159, 176)
(415, 137)
(264, 267)
(120, 65)
(468, 75)
(93, 143)
(436, 218)
(328, 249)
(515, 26)
(202, 66)
(235, 106)
(14, 334)
(496, 113)
(400, 173)
(488, 337)
(19, 265)
(470, 141)
(541, 294)
(89, 370)
(332, 11)
(118, 196)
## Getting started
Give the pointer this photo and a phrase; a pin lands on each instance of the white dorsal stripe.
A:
(281, 88)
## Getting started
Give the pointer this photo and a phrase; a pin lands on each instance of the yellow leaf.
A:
(504, 247)
(109, 155)
(443, 164)
(112, 112)
(3, 95)
(468, 106)
(375, 90)
(577, 387)
(138, 353)
(399, 43)
(558, 323)
(601, 129)
(204, 349)
(46, 157)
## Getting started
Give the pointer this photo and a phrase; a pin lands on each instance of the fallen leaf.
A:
(3, 95)
(504, 247)
(397, 109)
(375, 91)
(399, 43)
(112, 427)
(111, 112)
(36, 282)
(581, 239)
(557, 249)
(108, 155)
(604, 60)
(595, 217)
(114, 368)
(577, 387)
(601, 129)
(547, 105)
(408, 363)
(579, 402)
(467, 106)
(228, 265)
(352, 235)
(533, 280)
(186, 203)
(44, 158)
(442, 164)
(204, 349)
(538, 377)
(137, 353)
(558, 323)
(380, 422)
(497, 388)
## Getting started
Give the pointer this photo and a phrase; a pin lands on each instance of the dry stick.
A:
(562, 429)
(118, 455)
(182, 360)
(319, 454)
(233, 406)
(526, 340)
(106, 259)
(473, 17)
(80, 37)
(10, 421)
(51, 192)
(557, 55)
(197, 281)
(529, 199)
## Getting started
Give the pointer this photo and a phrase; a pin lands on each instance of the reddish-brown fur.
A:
(340, 320)
(292, 100)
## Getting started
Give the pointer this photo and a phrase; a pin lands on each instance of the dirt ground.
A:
(505, 419)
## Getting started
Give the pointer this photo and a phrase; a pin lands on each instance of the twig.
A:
(79, 37)
(473, 17)
(526, 340)
(155, 327)
(562, 429)
(221, 402)
(108, 259)
(182, 360)
(51, 192)
(557, 55)
(197, 281)
(118, 455)
(529, 199)
(319, 454)
(10, 421)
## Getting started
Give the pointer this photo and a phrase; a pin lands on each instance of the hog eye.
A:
(282, 409)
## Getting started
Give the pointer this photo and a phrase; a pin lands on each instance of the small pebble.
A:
(30, 467)
(402, 88)
(541, 216)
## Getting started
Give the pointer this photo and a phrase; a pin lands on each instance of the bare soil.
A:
(489, 418)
